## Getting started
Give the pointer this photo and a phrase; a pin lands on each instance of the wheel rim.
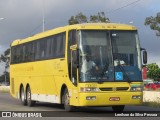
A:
(28, 96)
(66, 100)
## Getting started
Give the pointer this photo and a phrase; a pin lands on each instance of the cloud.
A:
(154, 59)
(23, 18)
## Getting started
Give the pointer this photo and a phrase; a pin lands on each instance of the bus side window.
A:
(60, 45)
(23, 52)
(12, 54)
(72, 37)
(17, 60)
(49, 48)
(37, 44)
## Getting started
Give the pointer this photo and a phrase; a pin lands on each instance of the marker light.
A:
(136, 97)
(91, 98)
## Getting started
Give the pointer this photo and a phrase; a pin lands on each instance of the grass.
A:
(4, 90)
(152, 104)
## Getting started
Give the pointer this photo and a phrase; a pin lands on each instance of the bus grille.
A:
(105, 89)
(114, 89)
(122, 88)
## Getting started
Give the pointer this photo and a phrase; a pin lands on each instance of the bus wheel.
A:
(67, 105)
(22, 96)
(29, 99)
(118, 108)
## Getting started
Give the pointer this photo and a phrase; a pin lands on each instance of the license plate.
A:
(114, 99)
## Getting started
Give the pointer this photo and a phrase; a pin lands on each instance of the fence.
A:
(151, 96)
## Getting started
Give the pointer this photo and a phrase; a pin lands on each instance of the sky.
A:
(23, 18)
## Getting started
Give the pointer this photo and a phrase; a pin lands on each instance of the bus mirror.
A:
(73, 47)
(144, 57)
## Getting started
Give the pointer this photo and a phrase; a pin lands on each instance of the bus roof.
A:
(89, 26)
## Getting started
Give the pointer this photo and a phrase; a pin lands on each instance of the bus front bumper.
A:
(109, 99)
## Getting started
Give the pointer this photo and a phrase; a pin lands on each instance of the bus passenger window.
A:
(37, 50)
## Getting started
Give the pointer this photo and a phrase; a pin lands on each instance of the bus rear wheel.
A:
(30, 102)
(22, 96)
(118, 108)
(66, 100)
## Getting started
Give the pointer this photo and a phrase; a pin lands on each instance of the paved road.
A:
(8, 103)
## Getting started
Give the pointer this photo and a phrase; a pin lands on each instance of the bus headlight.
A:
(89, 89)
(136, 89)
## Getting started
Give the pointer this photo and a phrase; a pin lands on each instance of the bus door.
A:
(74, 76)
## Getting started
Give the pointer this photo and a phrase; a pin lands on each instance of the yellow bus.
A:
(90, 64)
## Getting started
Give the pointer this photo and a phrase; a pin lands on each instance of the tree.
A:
(154, 23)
(153, 71)
(3, 76)
(100, 17)
(81, 18)
(5, 57)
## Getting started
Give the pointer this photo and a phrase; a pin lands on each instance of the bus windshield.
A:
(107, 56)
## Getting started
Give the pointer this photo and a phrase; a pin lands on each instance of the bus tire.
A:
(118, 108)
(30, 102)
(66, 100)
(22, 96)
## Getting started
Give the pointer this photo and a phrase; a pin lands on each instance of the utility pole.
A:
(5, 77)
(43, 12)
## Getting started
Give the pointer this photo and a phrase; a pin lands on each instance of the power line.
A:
(111, 11)
(36, 28)
(43, 20)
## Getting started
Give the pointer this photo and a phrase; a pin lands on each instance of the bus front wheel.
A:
(118, 108)
(30, 102)
(22, 96)
(66, 100)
